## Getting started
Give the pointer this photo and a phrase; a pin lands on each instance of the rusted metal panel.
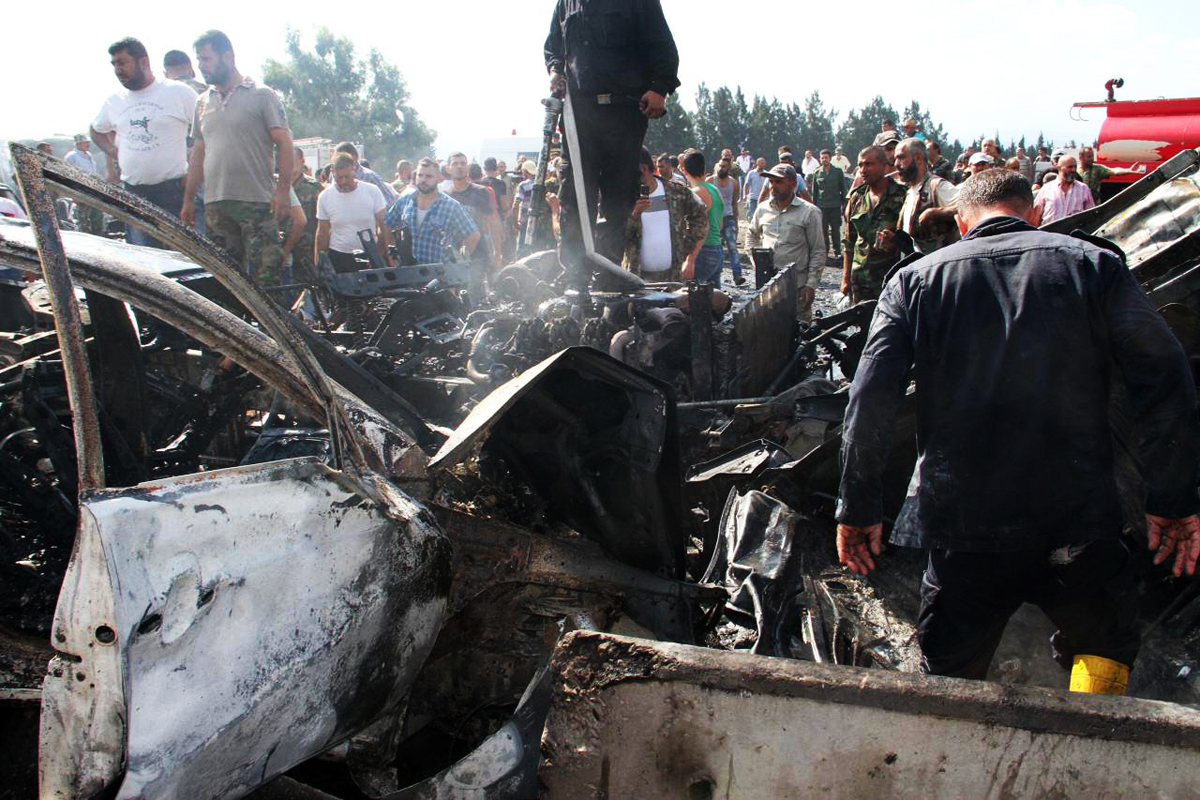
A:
(634, 718)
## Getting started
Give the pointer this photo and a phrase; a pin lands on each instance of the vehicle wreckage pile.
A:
(251, 543)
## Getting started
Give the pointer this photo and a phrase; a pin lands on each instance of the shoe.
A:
(739, 281)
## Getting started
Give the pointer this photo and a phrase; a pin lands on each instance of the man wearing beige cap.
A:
(791, 228)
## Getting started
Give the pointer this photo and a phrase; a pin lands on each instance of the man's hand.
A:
(653, 105)
(855, 546)
(280, 202)
(187, 212)
(113, 171)
(643, 204)
(1180, 536)
(558, 84)
(845, 288)
(885, 240)
(689, 268)
(807, 294)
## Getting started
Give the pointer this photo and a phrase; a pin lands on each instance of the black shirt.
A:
(622, 47)
(1012, 335)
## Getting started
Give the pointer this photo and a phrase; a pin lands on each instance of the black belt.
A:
(613, 98)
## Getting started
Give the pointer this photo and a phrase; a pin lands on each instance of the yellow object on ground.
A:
(1096, 675)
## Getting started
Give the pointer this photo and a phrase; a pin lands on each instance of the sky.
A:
(1018, 70)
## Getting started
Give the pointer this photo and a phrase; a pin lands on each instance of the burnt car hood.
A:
(596, 437)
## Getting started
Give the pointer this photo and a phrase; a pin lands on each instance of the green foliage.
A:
(328, 92)
(722, 118)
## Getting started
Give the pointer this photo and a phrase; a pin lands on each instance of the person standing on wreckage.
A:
(618, 60)
(1011, 336)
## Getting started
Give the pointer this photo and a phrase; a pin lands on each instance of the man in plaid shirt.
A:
(435, 222)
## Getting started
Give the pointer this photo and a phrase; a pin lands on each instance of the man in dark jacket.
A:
(1011, 336)
(618, 60)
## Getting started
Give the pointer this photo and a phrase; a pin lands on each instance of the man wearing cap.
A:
(90, 220)
(928, 213)
(912, 129)
(791, 228)
(786, 157)
(977, 163)
(829, 195)
(1014, 496)
(618, 61)
(872, 217)
(1062, 197)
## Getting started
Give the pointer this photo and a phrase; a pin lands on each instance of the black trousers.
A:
(610, 137)
(831, 226)
(167, 195)
(968, 598)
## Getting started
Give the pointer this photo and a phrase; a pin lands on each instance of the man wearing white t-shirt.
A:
(144, 129)
(344, 209)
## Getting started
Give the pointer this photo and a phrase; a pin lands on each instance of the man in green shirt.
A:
(872, 217)
(828, 187)
(1094, 174)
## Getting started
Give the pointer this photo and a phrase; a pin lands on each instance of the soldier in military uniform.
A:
(307, 189)
(872, 217)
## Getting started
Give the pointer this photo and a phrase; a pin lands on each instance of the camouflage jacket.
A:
(864, 220)
(307, 190)
(689, 225)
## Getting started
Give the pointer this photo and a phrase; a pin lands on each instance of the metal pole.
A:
(57, 273)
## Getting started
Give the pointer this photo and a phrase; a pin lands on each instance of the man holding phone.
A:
(666, 229)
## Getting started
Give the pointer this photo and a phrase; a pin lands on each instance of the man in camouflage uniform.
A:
(307, 189)
(872, 216)
(687, 221)
(235, 128)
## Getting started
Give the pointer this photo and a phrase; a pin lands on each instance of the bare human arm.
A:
(191, 185)
(321, 240)
(384, 234)
(108, 143)
(299, 220)
(282, 137)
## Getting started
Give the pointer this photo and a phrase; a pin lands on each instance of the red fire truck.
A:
(1145, 132)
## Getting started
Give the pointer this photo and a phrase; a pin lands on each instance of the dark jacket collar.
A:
(993, 226)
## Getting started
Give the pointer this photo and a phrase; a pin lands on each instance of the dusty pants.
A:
(248, 233)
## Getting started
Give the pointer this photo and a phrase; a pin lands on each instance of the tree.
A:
(672, 133)
(328, 92)
(862, 125)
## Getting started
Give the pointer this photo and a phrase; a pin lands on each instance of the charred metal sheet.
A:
(633, 718)
(263, 615)
(743, 462)
(28, 168)
(598, 440)
(700, 311)
(91, 191)
(761, 339)
(504, 766)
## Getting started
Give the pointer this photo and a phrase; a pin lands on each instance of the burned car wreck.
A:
(512, 550)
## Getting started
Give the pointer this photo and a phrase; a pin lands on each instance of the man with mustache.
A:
(1063, 197)
(143, 129)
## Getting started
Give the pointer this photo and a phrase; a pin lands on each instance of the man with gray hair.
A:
(928, 213)
(1014, 495)
(1062, 197)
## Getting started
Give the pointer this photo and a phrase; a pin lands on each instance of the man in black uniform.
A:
(618, 60)
(1012, 337)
